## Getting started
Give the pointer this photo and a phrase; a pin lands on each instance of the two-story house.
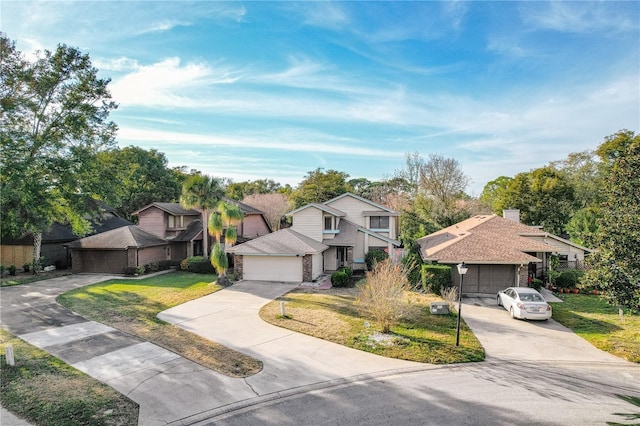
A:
(322, 238)
(165, 231)
(182, 228)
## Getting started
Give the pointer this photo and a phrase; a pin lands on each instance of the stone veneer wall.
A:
(238, 266)
(307, 268)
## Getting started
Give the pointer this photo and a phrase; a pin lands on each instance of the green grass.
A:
(419, 336)
(25, 278)
(46, 391)
(132, 305)
(599, 323)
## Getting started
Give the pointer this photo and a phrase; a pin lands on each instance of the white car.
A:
(524, 303)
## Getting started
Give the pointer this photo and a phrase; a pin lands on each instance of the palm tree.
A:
(202, 192)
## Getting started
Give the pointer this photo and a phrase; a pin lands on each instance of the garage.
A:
(283, 256)
(271, 268)
(487, 278)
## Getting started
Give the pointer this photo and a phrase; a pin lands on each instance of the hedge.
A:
(435, 278)
(340, 279)
(374, 256)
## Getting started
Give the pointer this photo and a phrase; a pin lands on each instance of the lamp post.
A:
(462, 269)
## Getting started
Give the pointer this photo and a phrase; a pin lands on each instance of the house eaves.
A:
(364, 200)
(174, 209)
(322, 207)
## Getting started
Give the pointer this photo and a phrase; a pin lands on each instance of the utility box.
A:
(439, 308)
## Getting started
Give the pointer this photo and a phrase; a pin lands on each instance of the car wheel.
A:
(498, 301)
(513, 315)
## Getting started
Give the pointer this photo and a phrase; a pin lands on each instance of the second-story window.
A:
(176, 222)
(379, 222)
(328, 223)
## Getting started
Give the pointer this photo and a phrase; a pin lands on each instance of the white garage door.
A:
(267, 268)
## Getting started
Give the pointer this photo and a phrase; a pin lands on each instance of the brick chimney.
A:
(512, 214)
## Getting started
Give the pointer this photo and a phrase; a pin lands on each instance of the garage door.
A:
(267, 268)
(488, 278)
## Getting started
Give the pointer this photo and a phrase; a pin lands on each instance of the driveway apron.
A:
(507, 339)
(291, 359)
(166, 386)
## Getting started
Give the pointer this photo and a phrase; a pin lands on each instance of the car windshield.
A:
(531, 297)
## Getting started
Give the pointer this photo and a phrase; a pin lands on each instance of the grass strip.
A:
(419, 336)
(132, 306)
(46, 391)
(592, 318)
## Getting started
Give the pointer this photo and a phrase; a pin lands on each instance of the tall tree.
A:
(320, 186)
(202, 192)
(544, 196)
(616, 264)
(138, 177)
(240, 190)
(274, 207)
(494, 192)
(54, 121)
(443, 180)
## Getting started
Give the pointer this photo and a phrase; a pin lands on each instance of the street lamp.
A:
(462, 269)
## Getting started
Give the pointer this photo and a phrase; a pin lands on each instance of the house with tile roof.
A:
(323, 237)
(499, 251)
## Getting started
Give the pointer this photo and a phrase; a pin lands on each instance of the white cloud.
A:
(580, 17)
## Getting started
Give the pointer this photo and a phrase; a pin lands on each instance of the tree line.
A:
(60, 161)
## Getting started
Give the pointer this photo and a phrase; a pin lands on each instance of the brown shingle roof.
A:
(119, 239)
(484, 239)
(282, 242)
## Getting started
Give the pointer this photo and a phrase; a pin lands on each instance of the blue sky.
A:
(253, 90)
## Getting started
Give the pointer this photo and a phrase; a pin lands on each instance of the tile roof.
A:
(487, 239)
(282, 242)
(119, 239)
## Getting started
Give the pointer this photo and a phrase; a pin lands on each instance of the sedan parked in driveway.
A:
(524, 303)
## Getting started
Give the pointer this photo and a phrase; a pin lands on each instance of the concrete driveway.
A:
(507, 339)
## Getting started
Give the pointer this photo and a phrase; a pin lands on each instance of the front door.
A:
(341, 253)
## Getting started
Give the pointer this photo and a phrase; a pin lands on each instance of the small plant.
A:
(151, 267)
(184, 265)
(26, 267)
(435, 278)
(450, 295)
(12, 270)
(381, 295)
(374, 256)
(339, 279)
(36, 265)
(536, 283)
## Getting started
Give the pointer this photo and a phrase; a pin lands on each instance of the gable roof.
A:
(119, 239)
(364, 200)
(174, 209)
(488, 239)
(323, 207)
(285, 242)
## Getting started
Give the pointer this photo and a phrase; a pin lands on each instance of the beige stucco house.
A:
(323, 237)
(499, 251)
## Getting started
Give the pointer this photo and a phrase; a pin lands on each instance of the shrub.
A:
(568, 278)
(413, 263)
(374, 256)
(381, 295)
(536, 283)
(347, 271)
(184, 265)
(201, 267)
(132, 271)
(12, 270)
(151, 267)
(163, 265)
(26, 267)
(339, 279)
(435, 278)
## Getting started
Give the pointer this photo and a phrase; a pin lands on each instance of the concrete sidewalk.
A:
(169, 388)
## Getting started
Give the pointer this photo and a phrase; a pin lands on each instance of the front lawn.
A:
(420, 336)
(46, 391)
(598, 323)
(132, 305)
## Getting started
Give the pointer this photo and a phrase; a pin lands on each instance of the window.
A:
(379, 222)
(328, 223)
(176, 222)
